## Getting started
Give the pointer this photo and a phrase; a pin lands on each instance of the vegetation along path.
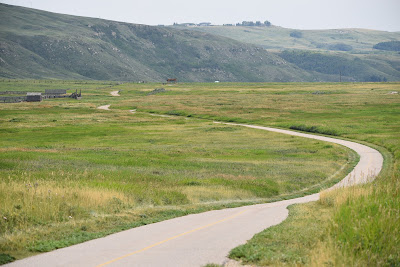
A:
(198, 239)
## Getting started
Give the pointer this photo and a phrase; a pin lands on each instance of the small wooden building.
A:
(174, 80)
(34, 97)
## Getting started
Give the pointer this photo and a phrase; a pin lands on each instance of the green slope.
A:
(365, 68)
(361, 40)
(38, 44)
(324, 53)
(35, 44)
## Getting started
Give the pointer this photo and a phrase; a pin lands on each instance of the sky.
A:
(296, 14)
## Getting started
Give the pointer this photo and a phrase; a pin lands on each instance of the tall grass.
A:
(313, 129)
(26, 204)
(355, 226)
(286, 244)
(365, 226)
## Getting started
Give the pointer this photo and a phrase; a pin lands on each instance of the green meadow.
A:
(71, 172)
(358, 226)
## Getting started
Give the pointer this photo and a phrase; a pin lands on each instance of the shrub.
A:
(375, 78)
(296, 34)
(5, 258)
(313, 129)
(388, 46)
(340, 47)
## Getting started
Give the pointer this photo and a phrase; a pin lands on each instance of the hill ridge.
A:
(38, 44)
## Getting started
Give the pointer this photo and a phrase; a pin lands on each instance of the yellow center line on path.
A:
(171, 238)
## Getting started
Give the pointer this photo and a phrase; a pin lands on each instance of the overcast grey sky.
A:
(299, 14)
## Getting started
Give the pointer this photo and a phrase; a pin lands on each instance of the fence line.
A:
(12, 93)
(12, 99)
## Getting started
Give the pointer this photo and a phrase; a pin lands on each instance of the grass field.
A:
(360, 225)
(70, 172)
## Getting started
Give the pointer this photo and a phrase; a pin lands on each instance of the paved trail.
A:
(105, 107)
(197, 239)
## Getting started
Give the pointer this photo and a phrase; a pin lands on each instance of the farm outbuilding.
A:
(174, 80)
(34, 97)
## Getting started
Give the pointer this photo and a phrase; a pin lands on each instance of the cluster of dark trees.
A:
(335, 47)
(376, 78)
(256, 24)
(388, 46)
(296, 34)
(340, 47)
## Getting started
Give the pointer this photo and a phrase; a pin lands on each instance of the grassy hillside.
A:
(38, 44)
(278, 38)
(367, 68)
(324, 53)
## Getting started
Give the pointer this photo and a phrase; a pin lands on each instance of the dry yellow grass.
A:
(201, 194)
(339, 196)
(45, 199)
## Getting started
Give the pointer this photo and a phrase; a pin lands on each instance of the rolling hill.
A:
(36, 44)
(324, 53)
(279, 38)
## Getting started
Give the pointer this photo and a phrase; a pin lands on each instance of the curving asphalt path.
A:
(105, 107)
(198, 239)
(114, 93)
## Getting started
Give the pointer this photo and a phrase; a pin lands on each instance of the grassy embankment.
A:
(356, 226)
(70, 172)
(278, 38)
(45, 45)
(325, 53)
